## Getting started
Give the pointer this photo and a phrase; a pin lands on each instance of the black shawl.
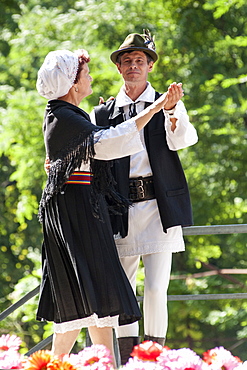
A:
(69, 141)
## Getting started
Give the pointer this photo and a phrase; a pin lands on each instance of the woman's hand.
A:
(160, 102)
(144, 117)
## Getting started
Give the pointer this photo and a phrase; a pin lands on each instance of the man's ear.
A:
(119, 67)
(150, 66)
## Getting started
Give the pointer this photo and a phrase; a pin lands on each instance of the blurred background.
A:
(201, 44)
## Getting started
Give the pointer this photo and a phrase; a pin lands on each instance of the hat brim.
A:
(150, 52)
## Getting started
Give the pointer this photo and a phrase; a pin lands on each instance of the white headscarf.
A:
(57, 74)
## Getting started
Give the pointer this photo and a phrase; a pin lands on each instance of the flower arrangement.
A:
(146, 356)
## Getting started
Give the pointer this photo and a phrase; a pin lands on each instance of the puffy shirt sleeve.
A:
(117, 142)
(185, 133)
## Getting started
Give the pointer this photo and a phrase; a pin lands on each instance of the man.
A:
(154, 180)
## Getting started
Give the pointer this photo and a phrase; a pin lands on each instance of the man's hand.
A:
(47, 164)
(174, 94)
(101, 99)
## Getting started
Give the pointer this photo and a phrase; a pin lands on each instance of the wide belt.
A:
(141, 188)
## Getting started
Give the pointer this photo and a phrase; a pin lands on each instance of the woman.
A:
(83, 283)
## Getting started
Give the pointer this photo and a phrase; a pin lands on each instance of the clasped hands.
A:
(173, 95)
(170, 98)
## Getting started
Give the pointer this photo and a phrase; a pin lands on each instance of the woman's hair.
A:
(83, 58)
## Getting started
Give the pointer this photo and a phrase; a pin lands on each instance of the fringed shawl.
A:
(69, 141)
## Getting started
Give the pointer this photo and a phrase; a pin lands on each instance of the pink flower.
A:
(10, 360)
(146, 356)
(136, 364)
(9, 342)
(96, 357)
(220, 358)
(9, 357)
(241, 366)
(181, 359)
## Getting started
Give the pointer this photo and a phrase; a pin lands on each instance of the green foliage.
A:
(202, 44)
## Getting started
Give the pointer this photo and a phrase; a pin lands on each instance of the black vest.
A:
(171, 189)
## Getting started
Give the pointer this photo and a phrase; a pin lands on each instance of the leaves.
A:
(200, 43)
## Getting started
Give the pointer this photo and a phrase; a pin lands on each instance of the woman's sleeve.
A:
(117, 142)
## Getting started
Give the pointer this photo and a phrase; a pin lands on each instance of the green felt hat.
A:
(138, 42)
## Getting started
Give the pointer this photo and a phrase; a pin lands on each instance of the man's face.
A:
(134, 67)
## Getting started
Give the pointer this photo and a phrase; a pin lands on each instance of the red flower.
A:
(91, 360)
(147, 351)
(237, 358)
(209, 356)
(166, 347)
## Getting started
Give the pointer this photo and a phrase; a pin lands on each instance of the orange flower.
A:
(68, 366)
(38, 360)
(57, 364)
(147, 351)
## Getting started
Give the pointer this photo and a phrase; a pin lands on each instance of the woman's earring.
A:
(76, 89)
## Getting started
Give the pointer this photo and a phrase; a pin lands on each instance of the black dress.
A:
(82, 274)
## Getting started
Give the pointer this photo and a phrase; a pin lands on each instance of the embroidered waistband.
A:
(80, 177)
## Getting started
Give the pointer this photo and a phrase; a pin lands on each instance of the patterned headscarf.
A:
(57, 74)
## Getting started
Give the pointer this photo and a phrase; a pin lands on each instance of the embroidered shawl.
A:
(69, 140)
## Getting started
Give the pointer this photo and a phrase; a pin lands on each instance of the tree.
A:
(202, 44)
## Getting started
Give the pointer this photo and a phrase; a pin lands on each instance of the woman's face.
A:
(84, 82)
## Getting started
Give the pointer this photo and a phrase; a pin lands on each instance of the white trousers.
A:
(157, 268)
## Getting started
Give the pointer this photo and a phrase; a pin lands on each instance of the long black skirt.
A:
(82, 274)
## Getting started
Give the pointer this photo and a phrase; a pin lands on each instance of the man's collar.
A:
(148, 96)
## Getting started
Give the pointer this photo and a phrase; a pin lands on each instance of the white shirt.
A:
(145, 233)
(116, 142)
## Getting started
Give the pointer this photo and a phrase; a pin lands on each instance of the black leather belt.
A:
(141, 188)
